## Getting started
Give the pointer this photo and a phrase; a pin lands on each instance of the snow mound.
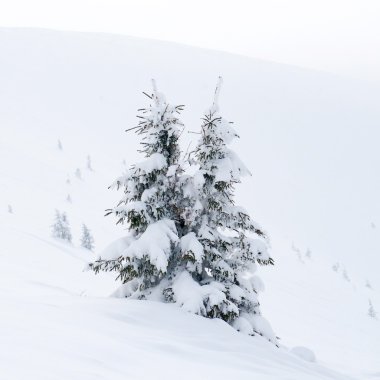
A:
(304, 353)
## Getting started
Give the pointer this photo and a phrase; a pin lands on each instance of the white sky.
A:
(342, 36)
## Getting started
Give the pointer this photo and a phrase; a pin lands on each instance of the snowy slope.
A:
(57, 324)
(310, 140)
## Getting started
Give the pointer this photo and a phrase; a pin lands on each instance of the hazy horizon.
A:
(341, 37)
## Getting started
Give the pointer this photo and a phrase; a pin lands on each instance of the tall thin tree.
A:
(220, 253)
(148, 207)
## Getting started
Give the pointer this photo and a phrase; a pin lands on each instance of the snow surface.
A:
(304, 353)
(58, 323)
(311, 141)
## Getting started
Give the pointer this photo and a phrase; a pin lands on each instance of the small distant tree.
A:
(371, 310)
(61, 227)
(308, 253)
(68, 181)
(89, 164)
(10, 209)
(87, 240)
(78, 173)
(345, 275)
(298, 252)
(60, 147)
(68, 198)
(295, 248)
(368, 284)
(335, 267)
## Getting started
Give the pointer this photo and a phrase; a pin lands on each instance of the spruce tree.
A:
(335, 267)
(61, 227)
(87, 240)
(89, 163)
(371, 310)
(78, 173)
(188, 241)
(148, 207)
(345, 275)
(214, 277)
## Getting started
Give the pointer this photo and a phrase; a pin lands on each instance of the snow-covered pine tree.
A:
(368, 284)
(10, 209)
(61, 227)
(87, 240)
(219, 253)
(59, 145)
(298, 253)
(149, 206)
(345, 275)
(89, 163)
(371, 310)
(78, 173)
(335, 267)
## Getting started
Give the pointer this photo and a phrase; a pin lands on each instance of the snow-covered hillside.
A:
(311, 141)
